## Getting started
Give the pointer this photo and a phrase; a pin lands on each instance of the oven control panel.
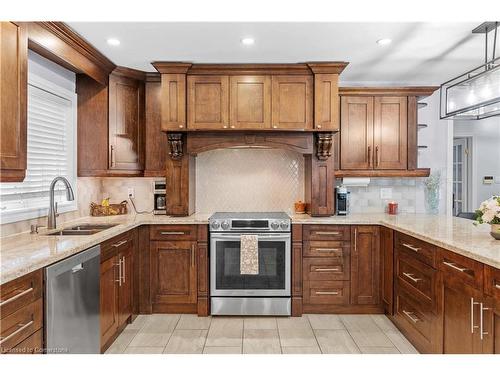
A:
(218, 223)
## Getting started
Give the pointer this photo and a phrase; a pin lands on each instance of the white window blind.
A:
(51, 153)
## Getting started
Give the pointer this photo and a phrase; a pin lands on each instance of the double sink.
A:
(82, 230)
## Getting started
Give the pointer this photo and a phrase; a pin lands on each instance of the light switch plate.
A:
(386, 193)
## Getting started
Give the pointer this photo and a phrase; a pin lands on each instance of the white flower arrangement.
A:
(489, 211)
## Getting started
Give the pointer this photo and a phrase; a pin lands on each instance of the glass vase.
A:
(432, 200)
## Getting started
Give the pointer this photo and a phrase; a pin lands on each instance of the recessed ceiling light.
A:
(113, 42)
(384, 41)
(247, 41)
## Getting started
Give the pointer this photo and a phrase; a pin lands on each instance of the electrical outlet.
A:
(386, 193)
(130, 193)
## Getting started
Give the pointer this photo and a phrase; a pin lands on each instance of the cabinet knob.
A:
(224, 126)
(232, 126)
(318, 126)
(275, 126)
(181, 126)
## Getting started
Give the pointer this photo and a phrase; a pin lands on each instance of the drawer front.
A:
(492, 282)
(421, 250)
(462, 269)
(414, 314)
(20, 325)
(172, 232)
(416, 277)
(328, 269)
(20, 292)
(327, 233)
(326, 292)
(110, 247)
(337, 249)
(31, 345)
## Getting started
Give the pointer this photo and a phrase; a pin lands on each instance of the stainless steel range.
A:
(264, 293)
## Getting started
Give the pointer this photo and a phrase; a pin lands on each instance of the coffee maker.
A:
(159, 196)
(341, 200)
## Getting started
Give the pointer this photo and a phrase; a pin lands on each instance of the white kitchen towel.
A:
(249, 254)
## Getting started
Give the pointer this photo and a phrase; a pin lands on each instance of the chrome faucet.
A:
(51, 219)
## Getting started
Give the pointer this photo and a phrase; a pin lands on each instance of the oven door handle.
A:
(260, 236)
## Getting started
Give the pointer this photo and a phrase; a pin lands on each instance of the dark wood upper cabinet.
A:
(208, 102)
(13, 101)
(292, 102)
(390, 133)
(365, 265)
(126, 123)
(250, 102)
(326, 102)
(356, 132)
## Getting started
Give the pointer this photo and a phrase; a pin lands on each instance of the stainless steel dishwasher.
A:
(72, 304)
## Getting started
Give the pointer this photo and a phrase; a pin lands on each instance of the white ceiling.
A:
(420, 54)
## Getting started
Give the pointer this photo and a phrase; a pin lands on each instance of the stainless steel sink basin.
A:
(82, 230)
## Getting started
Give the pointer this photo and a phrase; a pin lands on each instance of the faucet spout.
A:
(70, 196)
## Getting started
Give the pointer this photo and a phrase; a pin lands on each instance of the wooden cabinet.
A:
(250, 102)
(111, 121)
(208, 102)
(292, 102)
(365, 265)
(491, 311)
(387, 268)
(13, 101)
(173, 102)
(126, 123)
(116, 285)
(326, 102)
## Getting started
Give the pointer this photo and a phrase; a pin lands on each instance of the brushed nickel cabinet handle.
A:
(497, 286)
(452, 265)
(327, 233)
(327, 250)
(377, 161)
(172, 233)
(415, 249)
(369, 156)
(119, 265)
(326, 269)
(327, 293)
(123, 269)
(13, 298)
(355, 240)
(193, 253)
(21, 328)
(410, 314)
(481, 320)
(410, 276)
(118, 244)
(472, 304)
(112, 155)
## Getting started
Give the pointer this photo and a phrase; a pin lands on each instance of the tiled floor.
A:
(309, 334)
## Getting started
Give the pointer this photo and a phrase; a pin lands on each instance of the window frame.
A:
(65, 206)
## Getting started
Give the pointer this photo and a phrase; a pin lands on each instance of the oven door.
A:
(274, 266)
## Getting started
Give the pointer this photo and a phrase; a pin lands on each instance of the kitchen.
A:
(235, 193)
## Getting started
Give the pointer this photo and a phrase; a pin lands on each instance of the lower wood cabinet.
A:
(387, 268)
(491, 340)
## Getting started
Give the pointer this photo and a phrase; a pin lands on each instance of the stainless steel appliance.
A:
(342, 200)
(160, 198)
(268, 292)
(72, 322)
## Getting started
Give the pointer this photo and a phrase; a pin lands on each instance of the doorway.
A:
(462, 175)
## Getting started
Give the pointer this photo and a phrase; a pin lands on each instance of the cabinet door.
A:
(13, 101)
(125, 290)
(390, 133)
(387, 255)
(173, 272)
(365, 265)
(356, 132)
(326, 102)
(109, 298)
(126, 123)
(491, 326)
(208, 98)
(461, 317)
(292, 102)
(250, 102)
(173, 101)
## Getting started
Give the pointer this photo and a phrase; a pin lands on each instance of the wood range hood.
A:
(282, 106)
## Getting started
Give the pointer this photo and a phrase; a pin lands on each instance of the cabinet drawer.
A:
(326, 292)
(462, 269)
(20, 325)
(327, 233)
(31, 345)
(20, 292)
(172, 232)
(329, 269)
(336, 249)
(416, 277)
(415, 315)
(492, 282)
(115, 244)
(421, 250)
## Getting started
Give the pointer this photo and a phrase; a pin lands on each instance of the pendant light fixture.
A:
(475, 94)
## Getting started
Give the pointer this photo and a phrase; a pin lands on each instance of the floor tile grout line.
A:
(172, 333)
(314, 334)
(350, 335)
(206, 336)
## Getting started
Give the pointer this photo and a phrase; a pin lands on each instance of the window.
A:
(51, 153)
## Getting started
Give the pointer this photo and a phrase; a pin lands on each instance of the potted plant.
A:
(489, 213)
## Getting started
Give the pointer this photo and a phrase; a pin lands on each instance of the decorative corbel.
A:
(324, 142)
(175, 143)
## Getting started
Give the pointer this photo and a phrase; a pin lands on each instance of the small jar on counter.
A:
(392, 208)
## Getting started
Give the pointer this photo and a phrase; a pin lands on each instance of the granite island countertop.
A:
(23, 253)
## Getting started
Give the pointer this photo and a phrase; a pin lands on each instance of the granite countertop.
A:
(23, 253)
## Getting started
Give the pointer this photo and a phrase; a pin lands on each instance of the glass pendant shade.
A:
(473, 95)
